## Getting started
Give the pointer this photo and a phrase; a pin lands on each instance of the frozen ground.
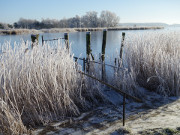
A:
(155, 112)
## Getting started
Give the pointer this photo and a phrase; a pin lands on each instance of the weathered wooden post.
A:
(115, 61)
(66, 39)
(103, 53)
(88, 48)
(88, 44)
(76, 63)
(121, 50)
(42, 40)
(34, 39)
(104, 44)
(84, 65)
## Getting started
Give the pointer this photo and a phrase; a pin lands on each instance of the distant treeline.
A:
(90, 19)
(5, 26)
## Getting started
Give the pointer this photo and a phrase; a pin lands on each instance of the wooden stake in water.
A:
(88, 48)
(121, 50)
(88, 44)
(34, 39)
(84, 65)
(104, 44)
(66, 38)
(42, 40)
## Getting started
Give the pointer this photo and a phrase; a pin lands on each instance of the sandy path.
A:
(167, 116)
(155, 112)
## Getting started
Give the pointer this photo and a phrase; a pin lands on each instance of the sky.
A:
(129, 11)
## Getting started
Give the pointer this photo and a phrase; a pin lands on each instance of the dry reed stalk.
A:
(40, 86)
(154, 58)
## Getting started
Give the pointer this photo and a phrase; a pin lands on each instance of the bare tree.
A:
(74, 22)
(63, 23)
(109, 19)
(90, 19)
(26, 23)
(4, 26)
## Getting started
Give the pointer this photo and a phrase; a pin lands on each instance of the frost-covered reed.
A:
(150, 60)
(154, 61)
(40, 86)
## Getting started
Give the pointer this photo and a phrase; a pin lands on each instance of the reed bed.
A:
(18, 31)
(153, 59)
(41, 85)
(57, 30)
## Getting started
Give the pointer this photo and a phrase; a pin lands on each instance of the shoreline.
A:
(58, 30)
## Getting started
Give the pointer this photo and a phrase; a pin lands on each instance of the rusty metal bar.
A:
(124, 113)
(53, 39)
(116, 89)
(100, 63)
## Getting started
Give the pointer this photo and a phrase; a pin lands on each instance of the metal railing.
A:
(52, 39)
(101, 63)
(124, 94)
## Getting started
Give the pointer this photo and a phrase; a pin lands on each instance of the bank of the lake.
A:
(57, 30)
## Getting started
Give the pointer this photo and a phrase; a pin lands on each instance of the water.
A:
(78, 41)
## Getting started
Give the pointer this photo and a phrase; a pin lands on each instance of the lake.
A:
(78, 41)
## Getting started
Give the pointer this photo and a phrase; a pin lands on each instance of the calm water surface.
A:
(78, 41)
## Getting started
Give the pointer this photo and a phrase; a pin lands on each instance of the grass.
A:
(153, 61)
(160, 131)
(57, 30)
(40, 86)
(18, 31)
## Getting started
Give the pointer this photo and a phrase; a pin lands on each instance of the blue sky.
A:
(166, 11)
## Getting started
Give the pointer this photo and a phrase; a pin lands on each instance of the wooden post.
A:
(103, 72)
(84, 65)
(88, 44)
(121, 50)
(34, 39)
(76, 63)
(103, 53)
(104, 44)
(66, 38)
(76, 59)
(88, 49)
(124, 103)
(115, 61)
(42, 40)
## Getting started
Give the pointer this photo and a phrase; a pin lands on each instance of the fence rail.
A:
(101, 63)
(53, 39)
(124, 94)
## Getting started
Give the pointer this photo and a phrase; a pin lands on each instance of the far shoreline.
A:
(58, 30)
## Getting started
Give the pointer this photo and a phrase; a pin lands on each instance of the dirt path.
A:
(155, 112)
